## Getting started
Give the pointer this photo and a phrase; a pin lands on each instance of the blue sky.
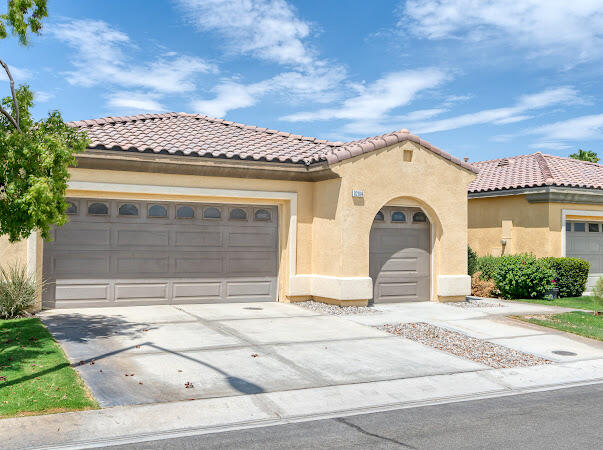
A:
(481, 79)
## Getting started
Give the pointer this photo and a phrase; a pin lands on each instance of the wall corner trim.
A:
(454, 285)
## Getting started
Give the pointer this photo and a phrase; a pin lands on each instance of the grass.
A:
(35, 375)
(577, 322)
(586, 302)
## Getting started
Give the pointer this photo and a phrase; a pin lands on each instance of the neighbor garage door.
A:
(400, 256)
(133, 253)
(585, 240)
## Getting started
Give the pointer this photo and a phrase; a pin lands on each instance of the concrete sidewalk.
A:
(126, 424)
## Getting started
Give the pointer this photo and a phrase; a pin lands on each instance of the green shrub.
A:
(471, 261)
(571, 275)
(523, 276)
(487, 265)
(18, 291)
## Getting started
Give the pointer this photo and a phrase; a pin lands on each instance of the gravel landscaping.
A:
(474, 303)
(335, 310)
(493, 355)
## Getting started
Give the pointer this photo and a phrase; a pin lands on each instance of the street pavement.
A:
(560, 419)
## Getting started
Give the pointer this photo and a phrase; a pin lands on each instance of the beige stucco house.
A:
(542, 204)
(183, 208)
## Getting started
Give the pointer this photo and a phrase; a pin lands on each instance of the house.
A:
(184, 208)
(542, 204)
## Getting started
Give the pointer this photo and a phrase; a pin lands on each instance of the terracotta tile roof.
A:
(198, 135)
(534, 170)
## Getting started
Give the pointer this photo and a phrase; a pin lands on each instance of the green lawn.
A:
(577, 322)
(35, 376)
(570, 302)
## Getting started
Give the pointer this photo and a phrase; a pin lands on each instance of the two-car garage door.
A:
(585, 240)
(132, 252)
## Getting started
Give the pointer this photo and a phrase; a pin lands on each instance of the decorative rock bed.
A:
(336, 310)
(464, 346)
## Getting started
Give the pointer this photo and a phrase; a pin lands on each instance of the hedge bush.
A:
(571, 275)
(471, 261)
(523, 276)
(487, 265)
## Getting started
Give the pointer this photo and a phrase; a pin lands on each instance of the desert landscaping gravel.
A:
(472, 303)
(464, 346)
(336, 310)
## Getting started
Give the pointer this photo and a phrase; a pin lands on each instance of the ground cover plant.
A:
(577, 322)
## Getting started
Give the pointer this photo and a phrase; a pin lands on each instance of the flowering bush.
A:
(523, 276)
(571, 275)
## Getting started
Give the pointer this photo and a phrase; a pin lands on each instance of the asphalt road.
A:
(565, 418)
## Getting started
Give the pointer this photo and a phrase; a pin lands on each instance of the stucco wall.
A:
(340, 241)
(535, 227)
(12, 253)
(332, 231)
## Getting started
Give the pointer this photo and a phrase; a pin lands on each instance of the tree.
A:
(586, 155)
(34, 155)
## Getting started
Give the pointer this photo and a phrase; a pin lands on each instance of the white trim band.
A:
(454, 285)
(339, 288)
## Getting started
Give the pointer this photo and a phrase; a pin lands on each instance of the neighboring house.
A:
(182, 208)
(542, 204)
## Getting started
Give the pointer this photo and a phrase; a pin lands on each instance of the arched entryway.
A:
(400, 255)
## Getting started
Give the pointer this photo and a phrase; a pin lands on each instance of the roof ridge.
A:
(544, 168)
(485, 161)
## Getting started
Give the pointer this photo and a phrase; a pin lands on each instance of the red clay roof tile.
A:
(195, 134)
(535, 170)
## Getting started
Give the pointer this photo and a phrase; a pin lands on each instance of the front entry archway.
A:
(400, 255)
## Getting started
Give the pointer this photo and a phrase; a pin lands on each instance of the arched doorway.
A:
(400, 243)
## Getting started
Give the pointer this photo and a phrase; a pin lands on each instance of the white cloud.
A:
(550, 146)
(19, 75)
(573, 29)
(500, 116)
(267, 29)
(376, 100)
(43, 96)
(135, 100)
(578, 128)
(100, 59)
(316, 85)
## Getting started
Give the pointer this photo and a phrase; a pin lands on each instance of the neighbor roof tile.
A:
(535, 170)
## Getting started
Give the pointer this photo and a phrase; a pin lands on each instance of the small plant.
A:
(523, 276)
(471, 261)
(598, 297)
(18, 291)
(481, 288)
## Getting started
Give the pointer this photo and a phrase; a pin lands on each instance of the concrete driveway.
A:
(148, 354)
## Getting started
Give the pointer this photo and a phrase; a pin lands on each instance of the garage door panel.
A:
(140, 237)
(248, 288)
(142, 265)
(251, 263)
(251, 238)
(199, 265)
(83, 292)
(78, 235)
(197, 290)
(117, 260)
(69, 263)
(198, 239)
(141, 290)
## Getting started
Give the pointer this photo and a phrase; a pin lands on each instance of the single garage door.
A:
(585, 240)
(140, 253)
(400, 255)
